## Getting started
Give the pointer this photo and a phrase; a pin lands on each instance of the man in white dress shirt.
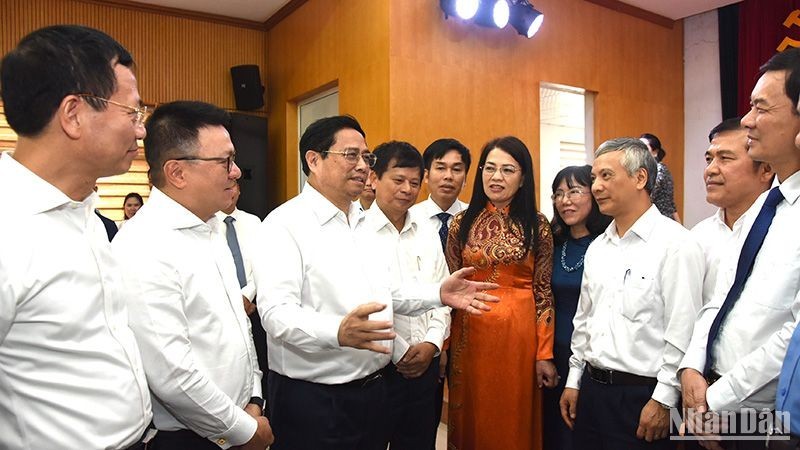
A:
(641, 286)
(186, 304)
(734, 184)
(750, 346)
(327, 301)
(414, 379)
(71, 376)
(240, 229)
(447, 163)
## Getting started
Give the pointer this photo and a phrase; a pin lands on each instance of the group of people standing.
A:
(609, 316)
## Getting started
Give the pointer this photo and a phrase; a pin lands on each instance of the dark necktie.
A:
(443, 217)
(233, 244)
(752, 244)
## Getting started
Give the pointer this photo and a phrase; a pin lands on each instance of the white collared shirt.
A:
(721, 243)
(639, 296)
(71, 375)
(186, 311)
(753, 339)
(419, 259)
(313, 266)
(246, 226)
(425, 213)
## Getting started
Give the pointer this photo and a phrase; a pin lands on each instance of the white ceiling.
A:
(261, 10)
(678, 9)
(255, 10)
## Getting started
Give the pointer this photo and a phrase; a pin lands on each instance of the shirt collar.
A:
(376, 220)
(173, 214)
(790, 188)
(324, 210)
(40, 196)
(434, 209)
(643, 227)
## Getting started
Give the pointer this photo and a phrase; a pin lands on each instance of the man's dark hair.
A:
(320, 136)
(732, 124)
(172, 132)
(397, 154)
(788, 60)
(440, 147)
(51, 63)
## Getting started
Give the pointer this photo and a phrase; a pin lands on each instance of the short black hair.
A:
(51, 63)
(320, 136)
(401, 153)
(788, 60)
(596, 222)
(172, 132)
(441, 147)
(732, 124)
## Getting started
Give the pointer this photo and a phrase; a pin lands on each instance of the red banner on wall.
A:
(765, 28)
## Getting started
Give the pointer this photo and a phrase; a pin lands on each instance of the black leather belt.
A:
(615, 377)
(367, 380)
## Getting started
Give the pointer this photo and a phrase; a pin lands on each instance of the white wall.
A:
(702, 108)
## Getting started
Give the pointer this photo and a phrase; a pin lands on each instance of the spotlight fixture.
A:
(522, 16)
(464, 9)
(525, 18)
(493, 13)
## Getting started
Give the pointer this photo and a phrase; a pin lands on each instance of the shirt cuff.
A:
(239, 433)
(436, 337)
(666, 395)
(720, 396)
(249, 291)
(574, 378)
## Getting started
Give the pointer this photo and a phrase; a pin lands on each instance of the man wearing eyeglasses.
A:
(70, 371)
(327, 303)
(186, 302)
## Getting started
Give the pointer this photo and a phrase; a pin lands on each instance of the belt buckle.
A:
(602, 376)
(370, 378)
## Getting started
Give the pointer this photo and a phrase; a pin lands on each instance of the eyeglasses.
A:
(229, 161)
(570, 194)
(505, 171)
(351, 156)
(139, 113)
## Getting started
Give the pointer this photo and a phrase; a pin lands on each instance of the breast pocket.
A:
(638, 295)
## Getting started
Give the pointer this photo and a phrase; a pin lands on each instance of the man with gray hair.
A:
(631, 327)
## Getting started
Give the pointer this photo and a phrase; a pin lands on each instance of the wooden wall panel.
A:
(177, 59)
(325, 43)
(450, 78)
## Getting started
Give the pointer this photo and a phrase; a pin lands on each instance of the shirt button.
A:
(783, 392)
(221, 441)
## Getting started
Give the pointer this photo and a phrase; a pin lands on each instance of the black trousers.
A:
(180, 440)
(608, 416)
(412, 405)
(313, 416)
(260, 343)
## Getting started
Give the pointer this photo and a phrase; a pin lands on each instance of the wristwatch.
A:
(258, 401)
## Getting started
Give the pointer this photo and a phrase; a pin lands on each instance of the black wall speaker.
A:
(247, 88)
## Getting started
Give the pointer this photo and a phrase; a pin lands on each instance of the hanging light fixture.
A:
(493, 13)
(522, 16)
(525, 18)
(464, 9)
